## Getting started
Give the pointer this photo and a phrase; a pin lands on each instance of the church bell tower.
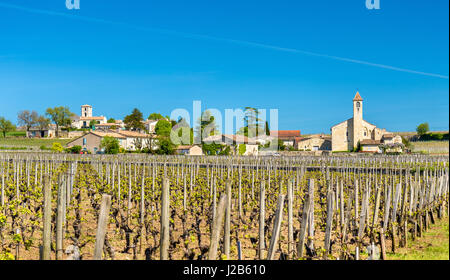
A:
(357, 119)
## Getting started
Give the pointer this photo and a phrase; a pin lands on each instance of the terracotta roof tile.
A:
(357, 97)
(91, 118)
(109, 134)
(286, 133)
(128, 133)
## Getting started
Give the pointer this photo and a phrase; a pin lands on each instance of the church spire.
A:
(357, 97)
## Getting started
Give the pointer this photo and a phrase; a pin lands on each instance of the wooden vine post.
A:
(276, 228)
(165, 215)
(102, 226)
(217, 225)
(46, 238)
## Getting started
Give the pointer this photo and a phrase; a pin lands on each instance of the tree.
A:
(92, 123)
(111, 120)
(6, 126)
(27, 118)
(213, 149)
(407, 143)
(163, 128)
(281, 145)
(60, 116)
(42, 122)
(155, 117)
(110, 144)
(267, 129)
(181, 133)
(253, 122)
(206, 126)
(165, 146)
(422, 129)
(134, 120)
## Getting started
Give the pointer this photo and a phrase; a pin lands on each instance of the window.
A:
(84, 141)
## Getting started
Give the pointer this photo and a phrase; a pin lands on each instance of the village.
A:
(89, 133)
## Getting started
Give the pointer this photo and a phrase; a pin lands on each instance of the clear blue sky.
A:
(305, 58)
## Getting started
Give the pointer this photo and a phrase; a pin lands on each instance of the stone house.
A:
(287, 136)
(150, 125)
(189, 150)
(134, 140)
(346, 135)
(128, 140)
(117, 125)
(262, 139)
(92, 140)
(47, 132)
(370, 146)
(317, 142)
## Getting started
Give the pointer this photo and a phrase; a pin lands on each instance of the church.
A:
(346, 135)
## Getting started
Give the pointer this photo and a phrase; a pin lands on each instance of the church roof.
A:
(357, 97)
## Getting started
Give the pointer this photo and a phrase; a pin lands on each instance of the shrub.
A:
(13, 148)
(225, 152)
(242, 149)
(110, 144)
(74, 149)
(57, 147)
(434, 137)
(165, 146)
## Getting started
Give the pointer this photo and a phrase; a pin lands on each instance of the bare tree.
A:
(42, 122)
(27, 118)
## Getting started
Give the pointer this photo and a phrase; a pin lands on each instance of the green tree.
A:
(206, 126)
(166, 147)
(6, 126)
(111, 120)
(92, 123)
(60, 116)
(110, 144)
(407, 143)
(253, 123)
(155, 117)
(163, 128)
(181, 133)
(267, 129)
(422, 129)
(213, 149)
(281, 145)
(134, 120)
(27, 119)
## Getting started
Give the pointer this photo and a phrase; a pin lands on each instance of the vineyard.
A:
(142, 207)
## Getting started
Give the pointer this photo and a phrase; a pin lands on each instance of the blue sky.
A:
(305, 58)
